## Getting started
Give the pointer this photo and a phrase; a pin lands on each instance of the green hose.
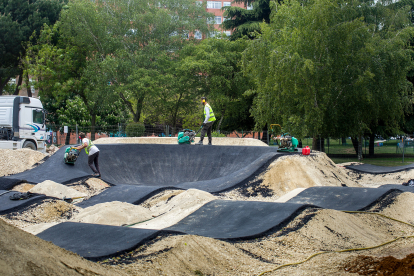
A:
(347, 250)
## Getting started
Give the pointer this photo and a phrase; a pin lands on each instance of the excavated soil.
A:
(16, 161)
(25, 254)
(367, 265)
(310, 232)
(291, 172)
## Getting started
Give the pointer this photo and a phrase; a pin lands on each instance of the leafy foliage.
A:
(246, 22)
(19, 19)
(322, 68)
(134, 129)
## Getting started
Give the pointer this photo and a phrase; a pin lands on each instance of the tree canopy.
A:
(18, 20)
(322, 68)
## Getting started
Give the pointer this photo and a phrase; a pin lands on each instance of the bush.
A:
(135, 129)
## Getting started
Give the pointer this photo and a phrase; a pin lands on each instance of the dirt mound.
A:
(53, 189)
(218, 141)
(387, 266)
(312, 231)
(291, 172)
(90, 186)
(113, 213)
(49, 211)
(23, 187)
(25, 254)
(175, 208)
(402, 208)
(52, 149)
(16, 161)
(376, 180)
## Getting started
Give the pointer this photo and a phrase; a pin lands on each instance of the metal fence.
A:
(65, 135)
(344, 147)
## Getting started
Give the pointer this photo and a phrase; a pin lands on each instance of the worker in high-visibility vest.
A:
(93, 153)
(209, 119)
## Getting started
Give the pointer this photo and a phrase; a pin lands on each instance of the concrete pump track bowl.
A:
(138, 171)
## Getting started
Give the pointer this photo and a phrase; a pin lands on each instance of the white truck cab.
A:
(22, 123)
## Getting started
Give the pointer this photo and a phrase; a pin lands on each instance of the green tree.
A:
(18, 20)
(147, 33)
(217, 67)
(320, 69)
(71, 57)
(246, 22)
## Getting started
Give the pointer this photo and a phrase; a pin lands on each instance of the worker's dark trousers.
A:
(206, 128)
(94, 159)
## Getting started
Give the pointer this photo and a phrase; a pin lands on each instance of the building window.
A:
(214, 34)
(199, 3)
(249, 7)
(213, 5)
(198, 35)
(217, 20)
(228, 33)
(226, 4)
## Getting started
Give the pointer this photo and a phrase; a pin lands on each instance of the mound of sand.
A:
(402, 208)
(17, 161)
(297, 171)
(91, 186)
(113, 213)
(25, 254)
(177, 208)
(218, 141)
(23, 187)
(290, 172)
(57, 190)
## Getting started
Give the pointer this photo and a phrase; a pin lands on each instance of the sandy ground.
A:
(16, 161)
(311, 231)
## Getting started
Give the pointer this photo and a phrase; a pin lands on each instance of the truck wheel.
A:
(29, 145)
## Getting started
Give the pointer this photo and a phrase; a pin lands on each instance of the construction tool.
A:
(72, 199)
(187, 136)
(287, 143)
(71, 155)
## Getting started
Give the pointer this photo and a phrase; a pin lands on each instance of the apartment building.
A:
(214, 7)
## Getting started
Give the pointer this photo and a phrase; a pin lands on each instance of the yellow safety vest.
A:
(90, 144)
(212, 117)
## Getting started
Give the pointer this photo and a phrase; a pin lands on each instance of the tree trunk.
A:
(355, 144)
(223, 112)
(93, 123)
(360, 157)
(16, 92)
(264, 136)
(28, 88)
(137, 115)
(371, 144)
(3, 84)
(318, 143)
